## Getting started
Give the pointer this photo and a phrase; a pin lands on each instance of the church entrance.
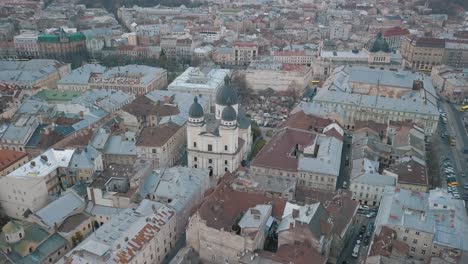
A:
(211, 170)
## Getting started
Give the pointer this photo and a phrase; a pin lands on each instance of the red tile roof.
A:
(157, 136)
(384, 243)
(245, 44)
(427, 42)
(395, 31)
(277, 154)
(224, 205)
(301, 120)
(298, 254)
(339, 205)
(142, 106)
(410, 172)
(289, 53)
(9, 157)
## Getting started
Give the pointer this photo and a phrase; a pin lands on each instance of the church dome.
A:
(229, 114)
(379, 44)
(226, 95)
(196, 110)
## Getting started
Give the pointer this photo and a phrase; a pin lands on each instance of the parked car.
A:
(371, 214)
(366, 240)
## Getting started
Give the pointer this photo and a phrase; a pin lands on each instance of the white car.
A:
(356, 249)
(371, 214)
(456, 196)
(354, 255)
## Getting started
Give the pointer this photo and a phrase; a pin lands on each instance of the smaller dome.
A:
(196, 110)
(379, 44)
(12, 227)
(229, 114)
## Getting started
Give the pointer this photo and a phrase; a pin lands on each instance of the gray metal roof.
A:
(434, 212)
(57, 211)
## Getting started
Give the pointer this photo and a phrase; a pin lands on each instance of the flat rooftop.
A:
(44, 164)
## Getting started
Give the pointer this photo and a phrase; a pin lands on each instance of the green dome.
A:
(12, 227)
(379, 44)
(229, 114)
(226, 95)
(196, 110)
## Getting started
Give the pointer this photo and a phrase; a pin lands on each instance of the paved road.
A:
(455, 126)
(344, 169)
(348, 249)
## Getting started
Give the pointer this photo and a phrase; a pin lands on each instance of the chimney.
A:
(295, 213)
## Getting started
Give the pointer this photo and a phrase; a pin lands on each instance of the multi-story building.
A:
(268, 74)
(368, 187)
(169, 45)
(83, 165)
(222, 236)
(120, 149)
(30, 186)
(158, 107)
(394, 36)
(17, 134)
(36, 73)
(223, 55)
(137, 79)
(162, 144)
(132, 52)
(410, 174)
(26, 45)
(145, 234)
(218, 142)
(456, 53)
(422, 53)
(10, 160)
(428, 223)
(294, 57)
(450, 83)
(245, 52)
(62, 45)
(366, 94)
(201, 82)
(309, 157)
(181, 188)
(340, 30)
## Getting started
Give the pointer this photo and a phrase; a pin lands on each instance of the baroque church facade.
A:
(218, 141)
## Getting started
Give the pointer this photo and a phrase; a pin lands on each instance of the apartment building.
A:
(428, 223)
(26, 45)
(394, 36)
(245, 52)
(31, 185)
(309, 157)
(10, 160)
(369, 94)
(18, 132)
(61, 45)
(136, 79)
(203, 82)
(162, 144)
(422, 53)
(145, 234)
(451, 83)
(33, 74)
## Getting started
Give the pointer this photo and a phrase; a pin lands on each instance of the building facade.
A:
(218, 142)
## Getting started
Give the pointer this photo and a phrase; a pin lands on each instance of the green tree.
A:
(256, 132)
